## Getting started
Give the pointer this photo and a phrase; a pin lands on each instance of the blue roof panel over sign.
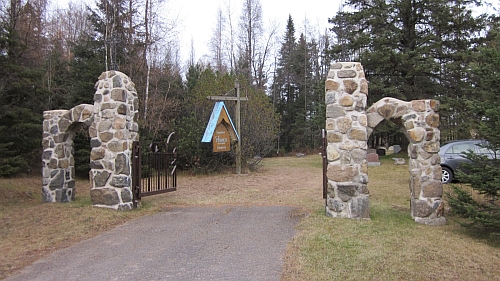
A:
(214, 120)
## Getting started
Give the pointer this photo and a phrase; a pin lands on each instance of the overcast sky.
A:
(199, 17)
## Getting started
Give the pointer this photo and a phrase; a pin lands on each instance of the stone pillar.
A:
(426, 188)
(346, 124)
(419, 120)
(58, 171)
(112, 133)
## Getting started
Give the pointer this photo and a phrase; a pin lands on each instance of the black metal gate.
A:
(325, 162)
(154, 171)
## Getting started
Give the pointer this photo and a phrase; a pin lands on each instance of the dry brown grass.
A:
(389, 247)
(31, 229)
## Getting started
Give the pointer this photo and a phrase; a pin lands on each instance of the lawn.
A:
(390, 246)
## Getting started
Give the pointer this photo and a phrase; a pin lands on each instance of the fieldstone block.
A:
(361, 178)
(330, 124)
(122, 164)
(104, 196)
(421, 208)
(120, 135)
(115, 146)
(120, 181)
(432, 120)
(47, 154)
(347, 74)
(119, 123)
(434, 104)
(341, 173)
(97, 154)
(418, 105)
(64, 124)
(417, 135)
(104, 126)
(336, 66)
(374, 119)
(122, 109)
(59, 151)
(106, 136)
(333, 137)
(331, 85)
(350, 86)
(344, 124)
(54, 130)
(432, 188)
(65, 195)
(57, 182)
(346, 191)
(87, 113)
(100, 178)
(336, 205)
(330, 98)
(431, 146)
(47, 196)
(332, 153)
(387, 110)
(358, 134)
(119, 95)
(358, 155)
(117, 81)
(126, 195)
(96, 165)
(92, 132)
(346, 101)
(364, 85)
(108, 105)
(334, 111)
(97, 97)
(52, 164)
(63, 163)
(360, 207)
(95, 143)
(108, 113)
(363, 120)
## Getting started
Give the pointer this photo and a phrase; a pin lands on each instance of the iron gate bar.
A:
(136, 172)
(325, 163)
(157, 174)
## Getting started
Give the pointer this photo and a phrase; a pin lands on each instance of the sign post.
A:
(238, 127)
(238, 99)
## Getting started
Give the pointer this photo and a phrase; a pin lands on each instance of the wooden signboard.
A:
(221, 139)
(220, 129)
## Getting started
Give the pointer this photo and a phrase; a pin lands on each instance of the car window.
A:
(483, 150)
(460, 148)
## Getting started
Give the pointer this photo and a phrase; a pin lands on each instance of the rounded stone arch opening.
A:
(58, 172)
(112, 125)
(419, 121)
(348, 127)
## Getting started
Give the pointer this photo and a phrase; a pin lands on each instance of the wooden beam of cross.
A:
(238, 99)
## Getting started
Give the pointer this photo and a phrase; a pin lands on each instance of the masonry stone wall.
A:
(349, 126)
(112, 128)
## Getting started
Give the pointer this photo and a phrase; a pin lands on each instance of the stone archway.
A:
(348, 127)
(112, 127)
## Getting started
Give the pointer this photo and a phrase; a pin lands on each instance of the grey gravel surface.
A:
(202, 243)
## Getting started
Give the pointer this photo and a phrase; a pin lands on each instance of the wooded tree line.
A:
(50, 59)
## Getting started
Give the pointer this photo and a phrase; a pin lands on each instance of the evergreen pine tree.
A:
(481, 207)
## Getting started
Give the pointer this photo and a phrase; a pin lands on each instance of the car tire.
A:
(446, 175)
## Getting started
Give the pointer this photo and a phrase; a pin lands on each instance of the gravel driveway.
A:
(195, 243)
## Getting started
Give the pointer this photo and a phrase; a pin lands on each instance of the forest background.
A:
(410, 49)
